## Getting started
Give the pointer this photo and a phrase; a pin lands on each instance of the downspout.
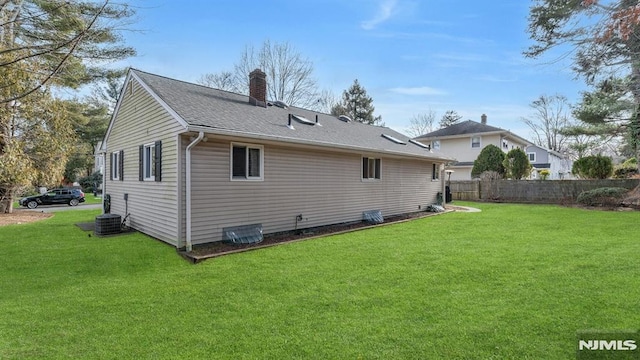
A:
(104, 178)
(189, 147)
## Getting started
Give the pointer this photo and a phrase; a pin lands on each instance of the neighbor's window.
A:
(435, 174)
(148, 162)
(370, 168)
(435, 145)
(246, 162)
(532, 157)
(475, 142)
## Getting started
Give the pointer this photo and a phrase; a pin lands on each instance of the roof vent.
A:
(395, 140)
(344, 118)
(280, 104)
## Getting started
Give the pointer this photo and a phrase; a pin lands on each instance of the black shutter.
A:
(158, 160)
(365, 168)
(377, 168)
(110, 166)
(140, 164)
(121, 165)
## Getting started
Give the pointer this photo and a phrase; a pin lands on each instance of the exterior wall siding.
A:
(153, 205)
(325, 187)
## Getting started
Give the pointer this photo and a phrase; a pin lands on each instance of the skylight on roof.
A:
(302, 119)
(419, 144)
(397, 141)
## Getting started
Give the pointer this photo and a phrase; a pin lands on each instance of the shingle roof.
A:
(463, 128)
(217, 110)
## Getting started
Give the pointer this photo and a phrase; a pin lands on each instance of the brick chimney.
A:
(258, 88)
(483, 119)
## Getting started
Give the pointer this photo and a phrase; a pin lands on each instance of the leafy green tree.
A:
(48, 45)
(491, 158)
(451, 117)
(357, 105)
(516, 164)
(593, 167)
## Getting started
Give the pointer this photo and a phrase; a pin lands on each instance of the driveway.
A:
(57, 208)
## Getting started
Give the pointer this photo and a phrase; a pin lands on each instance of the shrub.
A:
(625, 171)
(606, 196)
(544, 174)
(489, 159)
(92, 182)
(593, 167)
(517, 164)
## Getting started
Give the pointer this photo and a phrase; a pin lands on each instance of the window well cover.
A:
(244, 234)
(373, 216)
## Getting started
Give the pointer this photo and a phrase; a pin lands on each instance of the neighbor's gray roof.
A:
(466, 128)
(218, 111)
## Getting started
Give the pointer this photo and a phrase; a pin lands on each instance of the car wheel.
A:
(73, 202)
(32, 204)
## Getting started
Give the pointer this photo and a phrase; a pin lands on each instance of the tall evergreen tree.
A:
(449, 118)
(605, 36)
(357, 105)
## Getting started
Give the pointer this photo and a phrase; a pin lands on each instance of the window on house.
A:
(475, 142)
(435, 174)
(117, 165)
(150, 162)
(246, 162)
(435, 144)
(370, 168)
(532, 157)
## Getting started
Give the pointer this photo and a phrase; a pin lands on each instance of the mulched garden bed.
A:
(202, 252)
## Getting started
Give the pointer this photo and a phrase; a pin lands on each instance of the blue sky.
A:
(411, 56)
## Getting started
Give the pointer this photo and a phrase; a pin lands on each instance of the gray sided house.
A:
(192, 160)
(558, 165)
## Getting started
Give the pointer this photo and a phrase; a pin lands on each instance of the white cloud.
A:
(385, 11)
(422, 90)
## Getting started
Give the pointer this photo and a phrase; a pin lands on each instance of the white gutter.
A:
(189, 147)
(235, 133)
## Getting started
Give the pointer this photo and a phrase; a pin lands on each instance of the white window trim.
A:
(115, 165)
(368, 179)
(247, 178)
(437, 172)
(433, 144)
(152, 147)
(534, 156)
(479, 142)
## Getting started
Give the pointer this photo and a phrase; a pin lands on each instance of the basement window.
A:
(370, 168)
(247, 162)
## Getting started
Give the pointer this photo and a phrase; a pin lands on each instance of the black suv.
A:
(69, 196)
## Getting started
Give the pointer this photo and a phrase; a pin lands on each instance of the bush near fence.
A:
(532, 191)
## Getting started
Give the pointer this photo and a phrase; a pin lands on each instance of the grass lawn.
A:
(511, 282)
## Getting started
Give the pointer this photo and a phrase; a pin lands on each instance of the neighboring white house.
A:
(187, 162)
(464, 141)
(559, 165)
